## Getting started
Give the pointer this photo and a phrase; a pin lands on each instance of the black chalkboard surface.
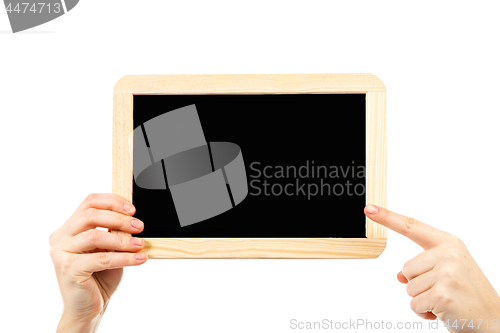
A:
(304, 160)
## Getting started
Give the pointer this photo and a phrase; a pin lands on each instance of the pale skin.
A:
(89, 262)
(444, 281)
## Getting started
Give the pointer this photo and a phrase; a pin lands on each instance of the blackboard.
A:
(252, 166)
(304, 156)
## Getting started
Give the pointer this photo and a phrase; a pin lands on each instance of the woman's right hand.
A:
(88, 261)
(444, 281)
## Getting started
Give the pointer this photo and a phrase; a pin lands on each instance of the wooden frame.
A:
(376, 159)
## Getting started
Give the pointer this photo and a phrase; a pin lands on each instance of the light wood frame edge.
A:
(376, 159)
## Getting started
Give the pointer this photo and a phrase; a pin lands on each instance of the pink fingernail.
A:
(371, 209)
(141, 256)
(137, 241)
(129, 209)
(137, 224)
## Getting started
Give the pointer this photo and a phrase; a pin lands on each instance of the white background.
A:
(438, 60)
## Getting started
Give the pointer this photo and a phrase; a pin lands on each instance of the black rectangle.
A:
(323, 134)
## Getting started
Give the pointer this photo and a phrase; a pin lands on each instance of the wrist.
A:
(74, 324)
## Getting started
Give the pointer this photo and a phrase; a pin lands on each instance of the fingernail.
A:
(128, 208)
(141, 256)
(137, 241)
(371, 209)
(137, 224)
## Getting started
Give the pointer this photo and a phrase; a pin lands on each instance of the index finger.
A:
(422, 234)
(106, 201)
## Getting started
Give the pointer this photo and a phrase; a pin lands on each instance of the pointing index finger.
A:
(422, 234)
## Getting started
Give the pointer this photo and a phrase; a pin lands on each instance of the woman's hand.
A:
(444, 280)
(89, 261)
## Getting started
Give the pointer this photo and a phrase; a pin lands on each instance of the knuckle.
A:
(54, 253)
(90, 198)
(411, 223)
(52, 238)
(406, 268)
(457, 242)
(448, 283)
(447, 277)
(104, 259)
(451, 256)
(89, 214)
(414, 304)
(65, 263)
(93, 235)
(55, 237)
(409, 288)
(124, 242)
(440, 297)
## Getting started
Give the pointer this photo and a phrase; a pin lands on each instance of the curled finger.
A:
(97, 239)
